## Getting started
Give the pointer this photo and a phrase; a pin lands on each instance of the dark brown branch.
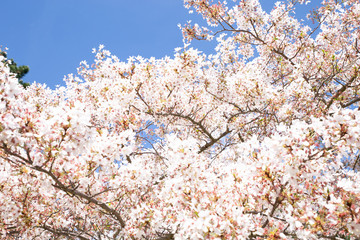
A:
(213, 141)
(187, 117)
(276, 204)
(281, 53)
(350, 103)
(61, 186)
(356, 162)
(341, 90)
(264, 215)
(63, 232)
(7, 151)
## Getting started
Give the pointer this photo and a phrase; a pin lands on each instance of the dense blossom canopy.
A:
(258, 141)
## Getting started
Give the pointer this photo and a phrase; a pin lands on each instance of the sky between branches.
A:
(52, 37)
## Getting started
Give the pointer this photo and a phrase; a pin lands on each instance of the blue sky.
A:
(53, 36)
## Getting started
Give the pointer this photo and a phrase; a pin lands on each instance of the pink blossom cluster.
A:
(258, 141)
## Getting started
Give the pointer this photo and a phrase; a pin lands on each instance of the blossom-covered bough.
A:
(258, 141)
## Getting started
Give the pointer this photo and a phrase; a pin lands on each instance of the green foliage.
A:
(19, 71)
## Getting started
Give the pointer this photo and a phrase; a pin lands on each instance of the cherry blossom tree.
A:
(258, 141)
